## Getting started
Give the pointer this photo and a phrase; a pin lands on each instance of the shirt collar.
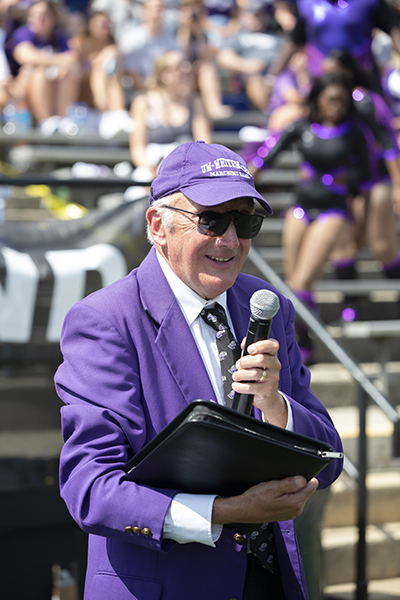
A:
(191, 303)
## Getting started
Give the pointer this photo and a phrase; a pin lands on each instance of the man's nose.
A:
(230, 237)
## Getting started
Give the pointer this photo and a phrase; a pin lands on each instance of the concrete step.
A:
(339, 553)
(379, 434)
(335, 387)
(383, 500)
(382, 589)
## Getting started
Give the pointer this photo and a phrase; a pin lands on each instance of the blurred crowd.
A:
(166, 71)
(64, 62)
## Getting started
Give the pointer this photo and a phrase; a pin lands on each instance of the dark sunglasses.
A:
(215, 224)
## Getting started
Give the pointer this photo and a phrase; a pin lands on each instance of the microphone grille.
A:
(264, 304)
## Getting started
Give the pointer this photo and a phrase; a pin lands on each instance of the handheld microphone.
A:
(264, 305)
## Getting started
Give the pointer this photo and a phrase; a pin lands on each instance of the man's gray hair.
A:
(167, 216)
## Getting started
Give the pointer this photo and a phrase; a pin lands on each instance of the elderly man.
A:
(136, 353)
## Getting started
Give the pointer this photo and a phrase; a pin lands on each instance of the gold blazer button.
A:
(146, 532)
(128, 529)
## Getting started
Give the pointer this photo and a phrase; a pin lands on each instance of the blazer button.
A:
(146, 532)
(136, 530)
(239, 539)
(128, 529)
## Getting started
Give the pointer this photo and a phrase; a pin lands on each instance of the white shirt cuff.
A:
(289, 423)
(188, 519)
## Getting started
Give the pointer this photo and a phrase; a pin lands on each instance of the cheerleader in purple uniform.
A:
(375, 213)
(336, 154)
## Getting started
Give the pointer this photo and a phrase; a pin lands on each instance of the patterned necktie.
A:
(228, 349)
(262, 544)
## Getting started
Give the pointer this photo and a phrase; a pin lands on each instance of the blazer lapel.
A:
(174, 340)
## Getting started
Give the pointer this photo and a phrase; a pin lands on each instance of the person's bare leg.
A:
(318, 242)
(67, 89)
(40, 95)
(107, 90)
(382, 224)
(293, 232)
(256, 91)
(210, 90)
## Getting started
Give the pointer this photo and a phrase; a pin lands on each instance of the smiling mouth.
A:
(219, 260)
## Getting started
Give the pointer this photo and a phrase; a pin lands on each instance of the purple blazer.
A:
(130, 366)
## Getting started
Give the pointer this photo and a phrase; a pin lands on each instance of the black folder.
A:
(212, 449)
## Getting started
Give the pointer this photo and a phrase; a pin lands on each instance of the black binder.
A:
(212, 449)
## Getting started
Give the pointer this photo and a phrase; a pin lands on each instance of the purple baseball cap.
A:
(208, 174)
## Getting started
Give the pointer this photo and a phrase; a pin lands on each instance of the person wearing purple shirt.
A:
(48, 71)
(326, 25)
(136, 353)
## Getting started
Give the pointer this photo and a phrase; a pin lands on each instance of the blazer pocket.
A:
(123, 587)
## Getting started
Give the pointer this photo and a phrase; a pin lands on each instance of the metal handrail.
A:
(366, 388)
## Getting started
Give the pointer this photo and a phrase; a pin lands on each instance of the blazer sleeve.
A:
(310, 417)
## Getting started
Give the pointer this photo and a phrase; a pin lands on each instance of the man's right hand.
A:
(279, 500)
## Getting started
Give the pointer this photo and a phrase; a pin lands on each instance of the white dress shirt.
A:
(189, 516)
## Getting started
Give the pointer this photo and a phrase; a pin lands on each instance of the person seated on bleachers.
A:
(101, 86)
(76, 14)
(124, 14)
(170, 112)
(335, 163)
(141, 45)
(192, 38)
(330, 24)
(220, 21)
(291, 87)
(250, 52)
(47, 71)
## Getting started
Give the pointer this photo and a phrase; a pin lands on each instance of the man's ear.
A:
(156, 227)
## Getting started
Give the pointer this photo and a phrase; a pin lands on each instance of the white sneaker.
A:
(49, 126)
(68, 127)
(114, 121)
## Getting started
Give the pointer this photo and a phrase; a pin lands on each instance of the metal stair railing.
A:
(365, 389)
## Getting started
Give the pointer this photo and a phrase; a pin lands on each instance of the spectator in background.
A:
(326, 25)
(169, 113)
(47, 70)
(391, 89)
(143, 44)
(101, 86)
(192, 38)
(291, 87)
(251, 51)
(5, 74)
(76, 15)
(388, 62)
(221, 21)
(124, 14)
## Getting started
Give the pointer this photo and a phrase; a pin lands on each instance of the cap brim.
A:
(213, 193)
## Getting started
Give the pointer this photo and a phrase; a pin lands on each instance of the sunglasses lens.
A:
(248, 226)
(214, 224)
